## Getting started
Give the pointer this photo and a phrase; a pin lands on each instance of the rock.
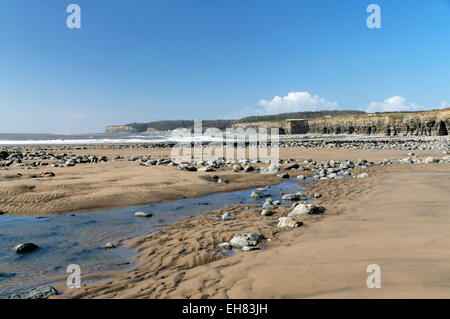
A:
(288, 222)
(258, 193)
(294, 197)
(249, 248)
(249, 169)
(268, 205)
(4, 155)
(206, 169)
(362, 175)
(223, 181)
(42, 292)
(237, 167)
(273, 168)
(48, 174)
(431, 160)
(292, 166)
(248, 239)
(284, 175)
(276, 202)
(302, 209)
(25, 248)
(109, 246)
(301, 177)
(227, 216)
(143, 214)
(225, 246)
(1, 212)
(317, 195)
(267, 212)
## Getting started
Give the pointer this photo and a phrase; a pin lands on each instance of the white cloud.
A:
(297, 102)
(399, 104)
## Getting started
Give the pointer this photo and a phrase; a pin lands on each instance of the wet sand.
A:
(398, 218)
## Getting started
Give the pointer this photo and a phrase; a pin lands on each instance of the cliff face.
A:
(420, 123)
(121, 129)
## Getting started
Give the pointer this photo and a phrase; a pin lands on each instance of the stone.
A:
(249, 248)
(292, 166)
(227, 216)
(247, 239)
(294, 197)
(303, 209)
(225, 246)
(258, 193)
(273, 168)
(284, 175)
(249, 169)
(48, 174)
(317, 195)
(267, 212)
(268, 205)
(109, 246)
(25, 248)
(42, 292)
(237, 167)
(431, 160)
(288, 222)
(301, 177)
(4, 155)
(143, 214)
(362, 175)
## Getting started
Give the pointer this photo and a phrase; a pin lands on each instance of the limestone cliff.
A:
(417, 123)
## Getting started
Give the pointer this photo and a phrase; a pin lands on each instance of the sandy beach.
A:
(397, 218)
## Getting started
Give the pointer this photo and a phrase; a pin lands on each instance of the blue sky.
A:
(144, 60)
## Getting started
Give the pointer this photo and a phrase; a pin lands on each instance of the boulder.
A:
(247, 239)
(294, 197)
(288, 222)
(4, 155)
(227, 216)
(25, 248)
(225, 246)
(143, 214)
(42, 292)
(303, 209)
(267, 212)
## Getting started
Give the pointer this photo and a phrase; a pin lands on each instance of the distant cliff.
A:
(340, 122)
(417, 123)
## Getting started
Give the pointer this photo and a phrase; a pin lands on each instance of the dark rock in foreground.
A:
(42, 292)
(25, 248)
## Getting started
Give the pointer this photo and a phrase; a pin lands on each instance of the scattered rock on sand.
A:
(302, 209)
(248, 239)
(42, 292)
(25, 248)
(288, 222)
(143, 214)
